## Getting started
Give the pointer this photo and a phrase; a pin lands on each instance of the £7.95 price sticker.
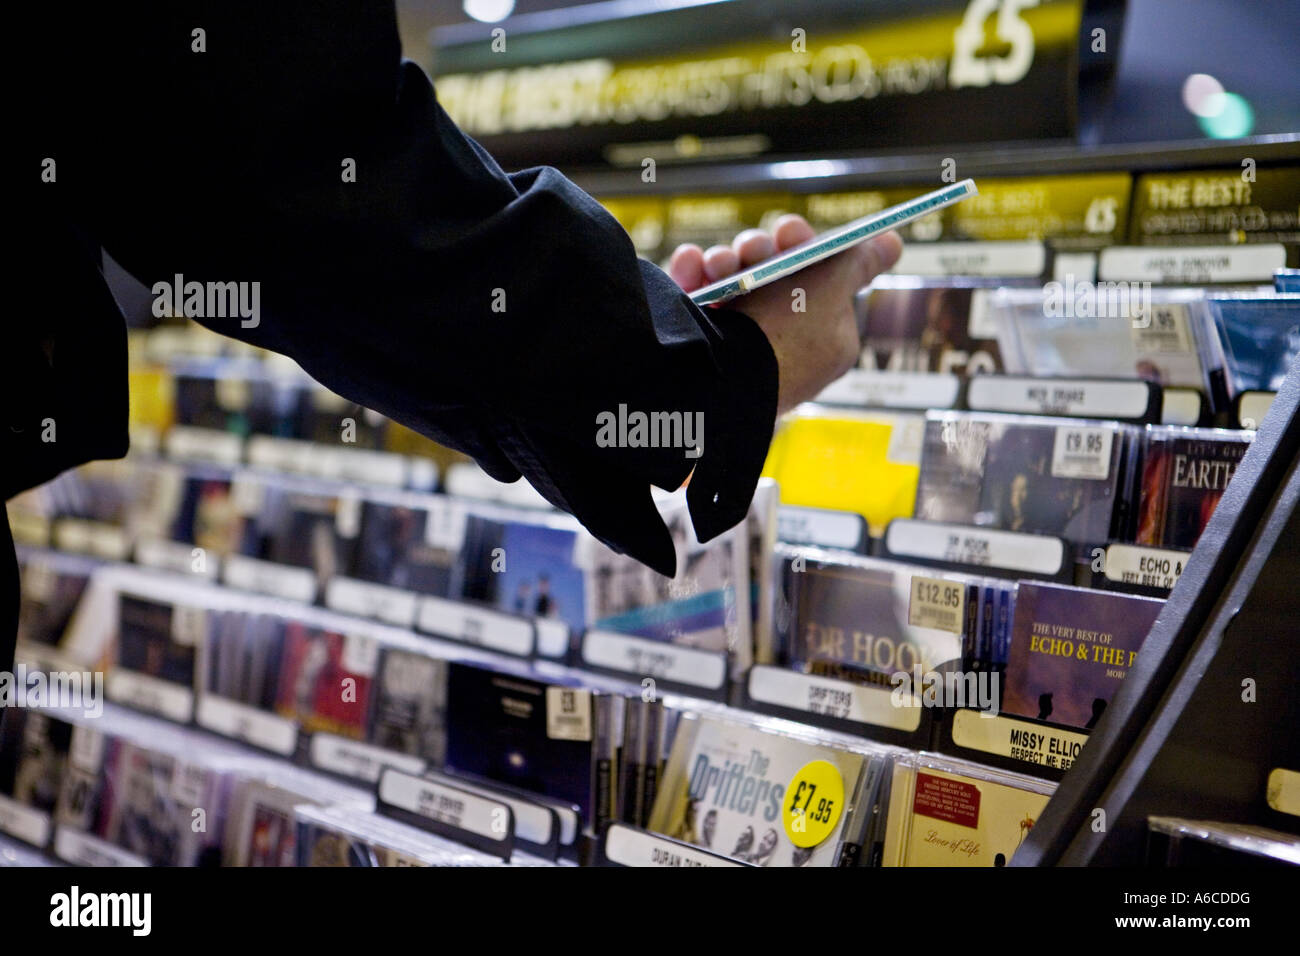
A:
(814, 800)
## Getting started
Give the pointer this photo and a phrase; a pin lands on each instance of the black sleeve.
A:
(498, 314)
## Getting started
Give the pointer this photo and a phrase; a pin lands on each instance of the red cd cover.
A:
(324, 683)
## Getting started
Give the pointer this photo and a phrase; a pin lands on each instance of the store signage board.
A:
(619, 84)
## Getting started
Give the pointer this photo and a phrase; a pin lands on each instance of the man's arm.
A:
(499, 314)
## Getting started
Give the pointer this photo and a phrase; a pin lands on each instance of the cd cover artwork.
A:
(527, 733)
(272, 840)
(848, 617)
(144, 819)
(208, 518)
(1102, 330)
(1070, 650)
(724, 789)
(1184, 474)
(244, 658)
(83, 800)
(526, 569)
(395, 550)
(1017, 475)
(148, 644)
(325, 680)
(934, 328)
(48, 599)
(1261, 338)
(864, 462)
(706, 605)
(310, 531)
(410, 705)
(321, 845)
(938, 818)
(33, 758)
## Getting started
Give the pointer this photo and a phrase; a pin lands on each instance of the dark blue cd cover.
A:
(528, 733)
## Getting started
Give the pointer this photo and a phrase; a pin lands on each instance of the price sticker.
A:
(813, 803)
(937, 604)
(1081, 452)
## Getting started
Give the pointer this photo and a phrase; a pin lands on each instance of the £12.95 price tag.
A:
(937, 603)
(814, 800)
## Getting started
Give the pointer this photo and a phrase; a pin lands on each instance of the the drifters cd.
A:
(934, 327)
(725, 789)
(1071, 649)
(1034, 475)
(1184, 473)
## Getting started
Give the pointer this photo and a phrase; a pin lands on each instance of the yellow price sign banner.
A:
(814, 801)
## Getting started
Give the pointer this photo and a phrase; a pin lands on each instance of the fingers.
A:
(876, 256)
(790, 230)
(753, 246)
(889, 247)
(692, 268)
(687, 267)
(720, 262)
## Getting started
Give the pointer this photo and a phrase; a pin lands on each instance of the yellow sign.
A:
(814, 801)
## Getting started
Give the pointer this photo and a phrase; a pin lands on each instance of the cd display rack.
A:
(1012, 592)
(1202, 727)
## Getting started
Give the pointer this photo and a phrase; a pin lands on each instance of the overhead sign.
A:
(709, 80)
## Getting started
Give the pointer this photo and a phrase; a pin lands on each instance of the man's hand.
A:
(813, 347)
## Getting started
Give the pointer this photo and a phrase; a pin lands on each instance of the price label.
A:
(813, 802)
(1162, 328)
(938, 604)
(189, 625)
(1145, 566)
(1081, 452)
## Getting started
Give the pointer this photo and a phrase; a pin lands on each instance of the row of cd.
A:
(851, 625)
(410, 752)
(1087, 482)
(441, 735)
(541, 580)
(1219, 344)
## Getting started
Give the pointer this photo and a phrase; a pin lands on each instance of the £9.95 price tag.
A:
(1082, 452)
(814, 800)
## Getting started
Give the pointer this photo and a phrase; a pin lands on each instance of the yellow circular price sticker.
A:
(814, 800)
